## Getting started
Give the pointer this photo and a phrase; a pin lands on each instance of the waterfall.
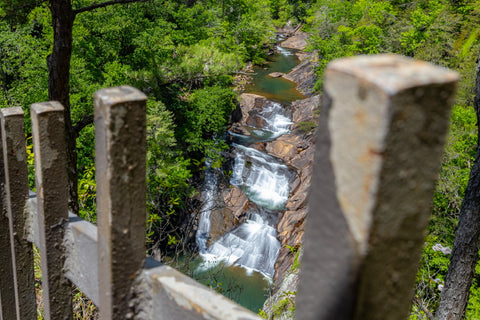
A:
(275, 122)
(284, 51)
(253, 245)
(210, 186)
(265, 180)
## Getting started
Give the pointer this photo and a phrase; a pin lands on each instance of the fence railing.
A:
(380, 139)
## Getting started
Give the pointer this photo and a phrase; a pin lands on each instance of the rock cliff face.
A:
(303, 75)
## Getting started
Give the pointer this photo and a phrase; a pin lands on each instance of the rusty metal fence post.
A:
(48, 131)
(120, 148)
(380, 140)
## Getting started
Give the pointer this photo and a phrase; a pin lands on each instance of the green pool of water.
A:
(278, 89)
(249, 289)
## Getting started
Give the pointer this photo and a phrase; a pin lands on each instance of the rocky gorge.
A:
(289, 147)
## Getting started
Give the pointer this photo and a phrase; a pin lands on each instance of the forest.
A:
(185, 54)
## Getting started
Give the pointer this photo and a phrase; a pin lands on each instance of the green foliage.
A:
(342, 28)
(473, 307)
(205, 116)
(168, 188)
(306, 126)
(286, 304)
(431, 275)
(30, 164)
(87, 194)
(296, 260)
(420, 20)
(181, 56)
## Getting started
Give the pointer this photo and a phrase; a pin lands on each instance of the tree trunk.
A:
(454, 298)
(59, 86)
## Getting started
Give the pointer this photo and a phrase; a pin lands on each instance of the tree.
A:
(63, 16)
(454, 297)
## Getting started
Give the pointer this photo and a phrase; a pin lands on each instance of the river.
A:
(241, 263)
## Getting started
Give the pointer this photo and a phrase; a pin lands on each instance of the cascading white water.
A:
(262, 177)
(265, 180)
(275, 122)
(253, 245)
(284, 51)
(210, 185)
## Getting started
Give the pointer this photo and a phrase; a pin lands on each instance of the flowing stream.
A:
(241, 263)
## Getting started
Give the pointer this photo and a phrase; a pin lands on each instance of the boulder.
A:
(298, 41)
(225, 218)
(302, 159)
(285, 147)
(221, 221)
(239, 129)
(303, 110)
(236, 201)
(276, 74)
(301, 55)
(248, 102)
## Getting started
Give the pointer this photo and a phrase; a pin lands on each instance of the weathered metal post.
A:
(120, 146)
(16, 191)
(7, 286)
(380, 140)
(48, 130)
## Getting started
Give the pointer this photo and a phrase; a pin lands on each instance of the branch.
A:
(420, 304)
(103, 5)
(82, 124)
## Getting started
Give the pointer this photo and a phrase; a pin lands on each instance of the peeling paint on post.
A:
(380, 140)
(120, 148)
(48, 130)
(16, 187)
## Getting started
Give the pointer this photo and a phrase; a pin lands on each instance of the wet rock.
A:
(290, 221)
(227, 216)
(305, 109)
(297, 150)
(298, 200)
(248, 102)
(236, 201)
(285, 147)
(239, 129)
(302, 55)
(222, 221)
(295, 184)
(260, 146)
(236, 114)
(276, 74)
(302, 159)
(254, 120)
(298, 41)
(304, 76)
